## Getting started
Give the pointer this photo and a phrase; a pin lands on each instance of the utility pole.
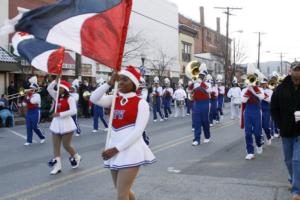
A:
(228, 13)
(281, 54)
(259, 45)
(78, 66)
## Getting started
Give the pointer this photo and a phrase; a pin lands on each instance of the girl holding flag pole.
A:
(62, 125)
(126, 150)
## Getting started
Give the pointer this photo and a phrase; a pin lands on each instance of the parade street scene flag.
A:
(40, 54)
(93, 28)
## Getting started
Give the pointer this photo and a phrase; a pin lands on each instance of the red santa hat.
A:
(65, 84)
(133, 75)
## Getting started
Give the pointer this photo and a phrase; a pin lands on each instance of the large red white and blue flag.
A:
(93, 28)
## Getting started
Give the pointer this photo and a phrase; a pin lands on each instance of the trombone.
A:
(22, 93)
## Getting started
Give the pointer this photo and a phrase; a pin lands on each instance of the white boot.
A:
(56, 166)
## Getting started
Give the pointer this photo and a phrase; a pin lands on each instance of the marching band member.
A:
(167, 98)
(98, 112)
(75, 95)
(142, 92)
(265, 106)
(63, 126)
(221, 92)
(179, 97)
(274, 127)
(200, 115)
(127, 151)
(251, 113)
(234, 94)
(213, 114)
(156, 100)
(33, 102)
(189, 101)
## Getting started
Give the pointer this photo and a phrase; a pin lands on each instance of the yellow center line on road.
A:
(52, 185)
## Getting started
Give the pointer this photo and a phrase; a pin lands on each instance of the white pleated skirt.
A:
(62, 125)
(137, 154)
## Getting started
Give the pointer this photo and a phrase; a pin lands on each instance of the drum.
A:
(179, 103)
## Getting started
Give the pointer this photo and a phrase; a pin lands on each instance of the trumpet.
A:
(192, 70)
(22, 93)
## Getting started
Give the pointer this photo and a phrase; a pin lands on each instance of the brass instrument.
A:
(22, 93)
(272, 84)
(86, 95)
(251, 80)
(192, 70)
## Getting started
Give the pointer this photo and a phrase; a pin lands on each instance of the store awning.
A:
(8, 62)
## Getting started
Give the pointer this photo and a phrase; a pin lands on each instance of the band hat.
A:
(264, 80)
(133, 75)
(65, 84)
(156, 79)
(33, 80)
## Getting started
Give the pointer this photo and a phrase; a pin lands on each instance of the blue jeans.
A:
(156, 108)
(98, 112)
(291, 151)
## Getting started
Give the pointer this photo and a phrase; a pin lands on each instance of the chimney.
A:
(202, 16)
(218, 24)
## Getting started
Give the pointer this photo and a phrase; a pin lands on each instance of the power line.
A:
(156, 20)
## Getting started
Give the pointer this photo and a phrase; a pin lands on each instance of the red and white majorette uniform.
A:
(66, 108)
(131, 116)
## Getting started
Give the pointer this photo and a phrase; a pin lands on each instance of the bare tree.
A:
(162, 64)
(135, 44)
(240, 52)
(239, 55)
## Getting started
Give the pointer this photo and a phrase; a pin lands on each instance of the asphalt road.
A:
(212, 171)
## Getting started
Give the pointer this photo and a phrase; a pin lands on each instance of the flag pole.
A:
(111, 115)
(57, 94)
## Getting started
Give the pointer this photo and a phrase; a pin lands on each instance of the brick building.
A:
(209, 44)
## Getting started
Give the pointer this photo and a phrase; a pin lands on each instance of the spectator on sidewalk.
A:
(285, 104)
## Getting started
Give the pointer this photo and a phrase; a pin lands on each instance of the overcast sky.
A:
(278, 19)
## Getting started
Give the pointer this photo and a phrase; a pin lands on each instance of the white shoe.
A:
(94, 131)
(269, 142)
(155, 120)
(27, 144)
(217, 122)
(276, 135)
(195, 143)
(56, 167)
(187, 114)
(193, 129)
(161, 120)
(106, 129)
(75, 161)
(42, 141)
(166, 118)
(211, 125)
(250, 156)
(206, 141)
(77, 135)
(259, 150)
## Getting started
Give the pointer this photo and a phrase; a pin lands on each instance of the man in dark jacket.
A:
(285, 102)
